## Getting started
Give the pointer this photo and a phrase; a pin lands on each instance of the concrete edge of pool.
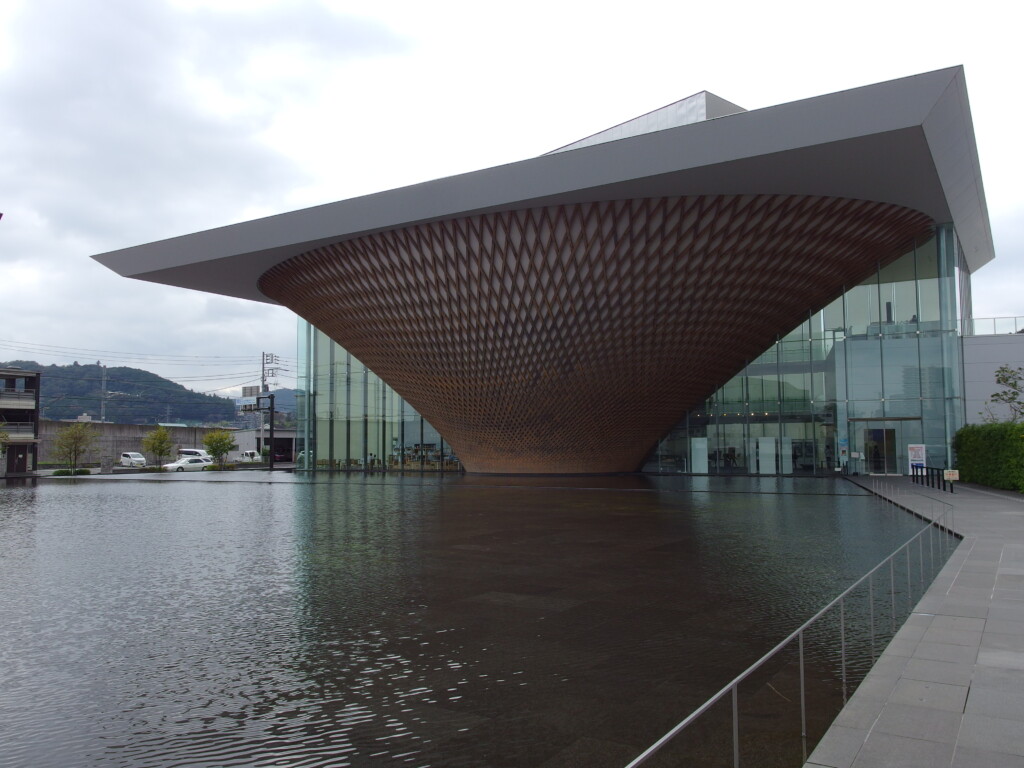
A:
(949, 689)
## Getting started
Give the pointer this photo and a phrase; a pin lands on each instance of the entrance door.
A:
(880, 456)
(17, 459)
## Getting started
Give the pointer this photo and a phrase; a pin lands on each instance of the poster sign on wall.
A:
(916, 455)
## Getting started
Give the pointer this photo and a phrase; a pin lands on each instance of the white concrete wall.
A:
(982, 356)
(113, 439)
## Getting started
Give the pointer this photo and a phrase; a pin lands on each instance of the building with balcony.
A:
(703, 287)
(19, 418)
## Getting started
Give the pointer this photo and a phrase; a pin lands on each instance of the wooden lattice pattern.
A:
(570, 338)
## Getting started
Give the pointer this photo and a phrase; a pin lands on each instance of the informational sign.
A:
(951, 475)
(916, 455)
(250, 391)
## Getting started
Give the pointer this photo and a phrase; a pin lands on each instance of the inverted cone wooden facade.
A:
(570, 338)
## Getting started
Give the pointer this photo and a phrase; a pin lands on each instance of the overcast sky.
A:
(128, 121)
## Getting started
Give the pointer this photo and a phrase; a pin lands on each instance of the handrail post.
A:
(842, 642)
(803, 699)
(910, 589)
(920, 562)
(871, 613)
(892, 593)
(931, 545)
(735, 728)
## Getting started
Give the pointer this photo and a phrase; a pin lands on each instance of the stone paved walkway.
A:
(949, 688)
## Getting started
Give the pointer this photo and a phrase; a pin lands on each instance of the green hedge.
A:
(992, 455)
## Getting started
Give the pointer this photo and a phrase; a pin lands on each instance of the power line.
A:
(124, 380)
(63, 351)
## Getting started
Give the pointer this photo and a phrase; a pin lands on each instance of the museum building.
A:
(702, 289)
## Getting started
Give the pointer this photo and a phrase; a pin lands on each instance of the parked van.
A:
(250, 456)
(132, 459)
(199, 452)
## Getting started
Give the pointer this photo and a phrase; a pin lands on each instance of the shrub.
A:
(83, 471)
(61, 473)
(992, 455)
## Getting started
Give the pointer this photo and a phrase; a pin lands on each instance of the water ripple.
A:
(348, 623)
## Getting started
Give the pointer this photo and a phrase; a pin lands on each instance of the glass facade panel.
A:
(350, 420)
(872, 372)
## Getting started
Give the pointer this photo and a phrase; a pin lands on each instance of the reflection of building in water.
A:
(608, 306)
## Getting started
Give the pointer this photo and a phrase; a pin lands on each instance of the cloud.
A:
(128, 122)
(108, 132)
(996, 287)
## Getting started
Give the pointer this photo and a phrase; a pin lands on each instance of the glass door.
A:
(879, 448)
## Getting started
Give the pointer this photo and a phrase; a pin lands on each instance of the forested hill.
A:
(133, 396)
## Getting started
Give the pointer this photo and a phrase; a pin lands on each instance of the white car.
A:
(188, 464)
(183, 452)
(132, 459)
(250, 456)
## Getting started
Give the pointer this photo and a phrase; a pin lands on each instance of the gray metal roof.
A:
(692, 109)
(909, 142)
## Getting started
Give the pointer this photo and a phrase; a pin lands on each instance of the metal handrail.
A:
(992, 326)
(798, 634)
(933, 477)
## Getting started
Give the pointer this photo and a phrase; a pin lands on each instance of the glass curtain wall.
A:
(851, 389)
(350, 420)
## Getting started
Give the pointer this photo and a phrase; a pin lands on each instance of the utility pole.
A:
(270, 456)
(103, 391)
(265, 403)
(269, 369)
(269, 359)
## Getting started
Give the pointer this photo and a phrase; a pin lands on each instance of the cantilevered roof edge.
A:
(230, 259)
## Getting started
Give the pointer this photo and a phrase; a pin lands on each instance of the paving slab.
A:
(949, 688)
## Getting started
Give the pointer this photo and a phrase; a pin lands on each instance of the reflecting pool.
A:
(225, 620)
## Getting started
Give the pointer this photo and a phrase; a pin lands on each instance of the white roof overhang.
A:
(909, 142)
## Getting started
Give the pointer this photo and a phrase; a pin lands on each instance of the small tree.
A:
(218, 443)
(4, 438)
(73, 442)
(158, 442)
(1011, 395)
